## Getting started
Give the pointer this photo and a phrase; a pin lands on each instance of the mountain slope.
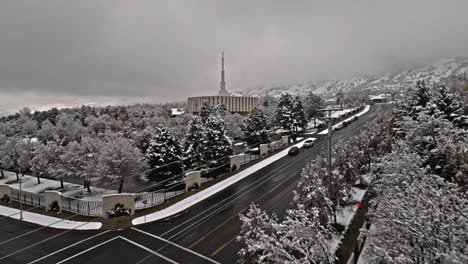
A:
(443, 71)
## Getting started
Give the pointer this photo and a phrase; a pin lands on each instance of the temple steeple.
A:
(222, 88)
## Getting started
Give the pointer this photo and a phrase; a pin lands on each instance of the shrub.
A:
(5, 198)
(54, 207)
(119, 210)
(193, 187)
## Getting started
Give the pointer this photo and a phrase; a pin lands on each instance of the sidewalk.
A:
(349, 241)
(49, 221)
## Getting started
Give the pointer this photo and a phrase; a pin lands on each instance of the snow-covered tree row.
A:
(305, 234)
(421, 199)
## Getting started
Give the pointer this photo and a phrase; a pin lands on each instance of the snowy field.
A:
(48, 221)
(29, 184)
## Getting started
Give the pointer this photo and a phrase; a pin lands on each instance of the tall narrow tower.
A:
(222, 90)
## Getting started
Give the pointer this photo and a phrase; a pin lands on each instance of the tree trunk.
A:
(87, 185)
(2, 174)
(121, 185)
(315, 122)
(17, 176)
(61, 184)
(38, 179)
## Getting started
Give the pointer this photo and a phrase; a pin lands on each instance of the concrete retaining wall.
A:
(235, 162)
(285, 140)
(263, 150)
(5, 189)
(192, 178)
(109, 201)
(52, 196)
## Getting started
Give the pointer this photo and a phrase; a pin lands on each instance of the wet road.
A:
(203, 234)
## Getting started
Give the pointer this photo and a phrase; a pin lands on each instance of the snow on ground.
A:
(48, 221)
(366, 109)
(202, 195)
(345, 214)
(29, 184)
(357, 194)
(334, 242)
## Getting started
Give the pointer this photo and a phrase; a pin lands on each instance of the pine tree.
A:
(206, 111)
(299, 117)
(284, 115)
(448, 106)
(164, 156)
(256, 127)
(192, 144)
(217, 145)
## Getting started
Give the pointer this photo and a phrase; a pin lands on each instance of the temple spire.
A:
(222, 90)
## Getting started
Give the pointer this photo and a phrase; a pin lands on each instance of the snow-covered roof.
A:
(176, 111)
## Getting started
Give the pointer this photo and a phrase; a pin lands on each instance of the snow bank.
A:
(48, 221)
(200, 196)
(366, 109)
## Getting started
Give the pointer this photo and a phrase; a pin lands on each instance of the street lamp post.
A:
(20, 198)
(329, 145)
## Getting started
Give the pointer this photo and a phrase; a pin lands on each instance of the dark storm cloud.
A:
(170, 49)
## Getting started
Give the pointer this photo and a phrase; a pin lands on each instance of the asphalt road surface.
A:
(206, 233)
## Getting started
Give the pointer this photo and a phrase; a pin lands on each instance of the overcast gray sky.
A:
(168, 50)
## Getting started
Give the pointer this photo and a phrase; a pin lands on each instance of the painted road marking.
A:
(89, 249)
(176, 245)
(149, 250)
(70, 246)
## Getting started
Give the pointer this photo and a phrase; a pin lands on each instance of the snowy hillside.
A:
(439, 72)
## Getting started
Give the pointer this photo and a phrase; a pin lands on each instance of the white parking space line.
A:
(176, 245)
(89, 249)
(70, 246)
(149, 250)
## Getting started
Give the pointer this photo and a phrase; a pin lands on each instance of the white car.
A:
(308, 143)
(339, 126)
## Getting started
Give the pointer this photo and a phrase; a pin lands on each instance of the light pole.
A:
(329, 137)
(20, 198)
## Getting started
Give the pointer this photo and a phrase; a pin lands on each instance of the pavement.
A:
(205, 233)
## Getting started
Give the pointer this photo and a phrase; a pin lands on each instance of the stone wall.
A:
(109, 201)
(192, 178)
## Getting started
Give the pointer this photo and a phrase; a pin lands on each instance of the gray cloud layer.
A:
(170, 49)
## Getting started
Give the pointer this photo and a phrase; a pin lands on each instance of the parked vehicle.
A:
(308, 143)
(339, 126)
(293, 151)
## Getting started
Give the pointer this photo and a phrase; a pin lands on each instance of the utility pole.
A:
(329, 145)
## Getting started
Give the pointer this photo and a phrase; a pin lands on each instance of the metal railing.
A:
(30, 198)
(83, 207)
(150, 199)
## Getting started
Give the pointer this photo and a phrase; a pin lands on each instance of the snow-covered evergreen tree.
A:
(299, 116)
(192, 144)
(256, 127)
(11, 154)
(284, 115)
(217, 145)
(164, 156)
(447, 106)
